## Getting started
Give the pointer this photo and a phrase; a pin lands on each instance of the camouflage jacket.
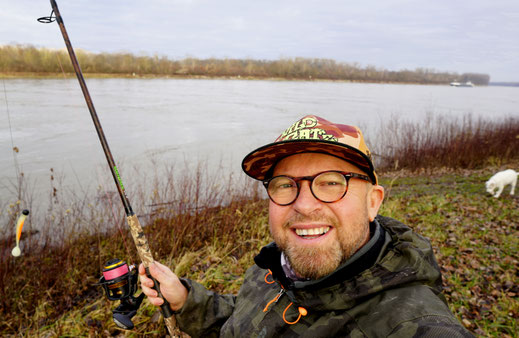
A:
(393, 290)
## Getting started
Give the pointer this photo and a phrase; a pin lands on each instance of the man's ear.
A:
(375, 197)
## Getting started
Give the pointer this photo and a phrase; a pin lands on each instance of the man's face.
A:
(316, 236)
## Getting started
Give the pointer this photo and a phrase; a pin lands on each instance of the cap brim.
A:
(259, 162)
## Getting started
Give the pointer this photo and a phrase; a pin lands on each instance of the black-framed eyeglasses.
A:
(327, 186)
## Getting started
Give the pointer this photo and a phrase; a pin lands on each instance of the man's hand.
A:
(170, 286)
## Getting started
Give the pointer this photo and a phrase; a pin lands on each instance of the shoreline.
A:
(35, 75)
(66, 76)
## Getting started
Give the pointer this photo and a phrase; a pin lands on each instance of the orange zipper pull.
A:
(302, 312)
(269, 281)
(274, 300)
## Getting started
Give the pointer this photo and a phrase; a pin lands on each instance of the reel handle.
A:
(122, 315)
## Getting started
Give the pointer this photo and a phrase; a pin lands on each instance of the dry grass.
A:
(442, 141)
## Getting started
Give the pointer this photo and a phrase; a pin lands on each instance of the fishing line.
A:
(21, 219)
(109, 199)
(49, 19)
(15, 149)
(60, 66)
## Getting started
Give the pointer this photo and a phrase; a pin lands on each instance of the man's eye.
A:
(329, 183)
(285, 186)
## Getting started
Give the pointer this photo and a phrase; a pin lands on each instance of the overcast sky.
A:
(460, 36)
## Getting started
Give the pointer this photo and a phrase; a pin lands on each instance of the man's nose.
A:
(306, 202)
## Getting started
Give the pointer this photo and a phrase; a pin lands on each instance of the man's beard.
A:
(317, 262)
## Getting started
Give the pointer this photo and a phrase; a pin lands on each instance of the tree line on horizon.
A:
(29, 59)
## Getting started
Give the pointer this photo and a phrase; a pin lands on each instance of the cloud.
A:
(477, 35)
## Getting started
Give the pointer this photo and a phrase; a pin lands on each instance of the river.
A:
(152, 121)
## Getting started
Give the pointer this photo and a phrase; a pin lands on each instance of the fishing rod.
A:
(137, 232)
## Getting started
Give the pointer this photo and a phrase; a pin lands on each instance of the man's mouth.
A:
(312, 233)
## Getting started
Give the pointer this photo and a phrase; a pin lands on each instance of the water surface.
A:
(153, 121)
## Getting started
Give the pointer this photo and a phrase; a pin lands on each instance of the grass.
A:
(439, 141)
(475, 238)
(211, 235)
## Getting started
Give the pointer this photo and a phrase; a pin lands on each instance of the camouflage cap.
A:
(312, 134)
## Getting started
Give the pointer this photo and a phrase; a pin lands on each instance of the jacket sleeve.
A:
(205, 311)
(431, 326)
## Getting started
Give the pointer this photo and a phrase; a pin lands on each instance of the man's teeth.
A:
(312, 232)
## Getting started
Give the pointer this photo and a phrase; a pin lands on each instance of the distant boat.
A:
(462, 84)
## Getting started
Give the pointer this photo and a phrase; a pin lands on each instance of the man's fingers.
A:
(152, 296)
(156, 301)
(146, 282)
(143, 277)
(161, 273)
(148, 291)
(142, 271)
(147, 287)
(164, 269)
(170, 286)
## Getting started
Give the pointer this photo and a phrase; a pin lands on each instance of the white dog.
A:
(500, 180)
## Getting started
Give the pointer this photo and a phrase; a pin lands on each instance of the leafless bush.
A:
(443, 141)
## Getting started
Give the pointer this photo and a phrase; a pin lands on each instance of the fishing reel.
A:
(120, 283)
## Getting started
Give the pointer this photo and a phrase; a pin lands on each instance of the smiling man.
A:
(336, 268)
(317, 226)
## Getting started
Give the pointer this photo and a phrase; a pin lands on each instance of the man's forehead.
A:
(311, 163)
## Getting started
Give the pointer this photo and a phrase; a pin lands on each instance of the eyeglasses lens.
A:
(329, 186)
(282, 190)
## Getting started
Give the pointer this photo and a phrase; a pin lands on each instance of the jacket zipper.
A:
(274, 300)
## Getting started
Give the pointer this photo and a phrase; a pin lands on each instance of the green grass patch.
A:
(475, 237)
